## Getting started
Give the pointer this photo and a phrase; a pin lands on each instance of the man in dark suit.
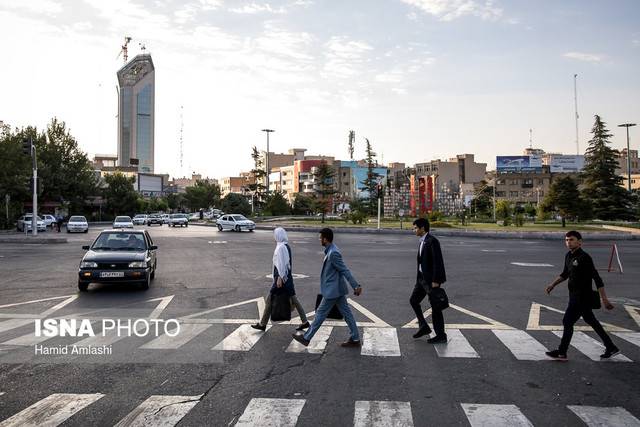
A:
(430, 275)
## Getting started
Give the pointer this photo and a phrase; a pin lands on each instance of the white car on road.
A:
(235, 222)
(49, 220)
(25, 221)
(178, 219)
(77, 224)
(140, 219)
(122, 222)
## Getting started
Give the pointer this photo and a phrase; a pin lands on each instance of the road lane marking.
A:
(632, 337)
(260, 305)
(602, 417)
(188, 331)
(634, 312)
(531, 264)
(533, 324)
(52, 410)
(591, 348)
(489, 323)
(494, 250)
(271, 412)
(374, 322)
(36, 301)
(456, 346)
(317, 345)
(160, 411)
(164, 302)
(522, 345)
(380, 342)
(8, 325)
(382, 414)
(495, 415)
(242, 339)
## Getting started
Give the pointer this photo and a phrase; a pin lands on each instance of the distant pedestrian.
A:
(579, 269)
(282, 280)
(334, 291)
(430, 275)
(59, 221)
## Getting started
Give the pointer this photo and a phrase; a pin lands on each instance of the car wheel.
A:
(83, 286)
(237, 228)
(86, 231)
(251, 230)
(68, 231)
(219, 227)
(145, 285)
(186, 225)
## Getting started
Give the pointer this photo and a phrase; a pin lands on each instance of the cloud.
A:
(448, 10)
(254, 8)
(586, 57)
(45, 7)
(344, 57)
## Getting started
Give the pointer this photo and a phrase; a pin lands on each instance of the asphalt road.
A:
(204, 269)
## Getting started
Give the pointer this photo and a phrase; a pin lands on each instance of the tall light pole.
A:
(268, 131)
(628, 125)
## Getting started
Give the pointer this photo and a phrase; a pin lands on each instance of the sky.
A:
(421, 79)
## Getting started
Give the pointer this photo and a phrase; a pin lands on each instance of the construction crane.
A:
(123, 51)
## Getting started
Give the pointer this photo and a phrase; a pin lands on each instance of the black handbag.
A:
(280, 307)
(334, 313)
(594, 300)
(438, 299)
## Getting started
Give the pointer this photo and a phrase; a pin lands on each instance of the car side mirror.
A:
(153, 247)
(85, 247)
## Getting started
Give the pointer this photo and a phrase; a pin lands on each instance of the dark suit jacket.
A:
(431, 262)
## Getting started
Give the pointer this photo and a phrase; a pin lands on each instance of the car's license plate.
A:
(112, 274)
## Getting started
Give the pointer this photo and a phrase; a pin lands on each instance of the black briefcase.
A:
(334, 313)
(280, 307)
(438, 299)
(594, 300)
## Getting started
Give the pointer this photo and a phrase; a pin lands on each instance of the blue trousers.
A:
(321, 314)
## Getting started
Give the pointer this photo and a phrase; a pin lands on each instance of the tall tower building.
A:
(136, 113)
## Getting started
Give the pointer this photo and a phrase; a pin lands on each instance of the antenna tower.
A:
(530, 138)
(575, 99)
(181, 129)
(124, 49)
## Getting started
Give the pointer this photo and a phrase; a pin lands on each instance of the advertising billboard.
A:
(519, 164)
(566, 163)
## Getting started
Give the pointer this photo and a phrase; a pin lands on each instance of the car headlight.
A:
(138, 264)
(88, 264)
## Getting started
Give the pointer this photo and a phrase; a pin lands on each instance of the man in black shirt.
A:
(579, 269)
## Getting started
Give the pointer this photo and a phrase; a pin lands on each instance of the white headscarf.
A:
(281, 258)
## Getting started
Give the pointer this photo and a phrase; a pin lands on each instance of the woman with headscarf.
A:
(282, 280)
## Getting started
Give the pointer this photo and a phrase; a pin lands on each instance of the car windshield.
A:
(154, 216)
(239, 218)
(77, 219)
(30, 217)
(122, 219)
(120, 241)
(140, 216)
(178, 216)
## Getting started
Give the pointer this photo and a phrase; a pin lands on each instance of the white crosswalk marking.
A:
(595, 416)
(522, 345)
(51, 411)
(317, 344)
(188, 331)
(271, 413)
(380, 342)
(242, 339)
(495, 415)
(382, 414)
(110, 337)
(591, 348)
(10, 324)
(456, 346)
(632, 337)
(27, 339)
(160, 411)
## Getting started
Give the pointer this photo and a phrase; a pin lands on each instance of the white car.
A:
(178, 219)
(235, 222)
(25, 221)
(165, 218)
(49, 220)
(122, 222)
(140, 219)
(77, 224)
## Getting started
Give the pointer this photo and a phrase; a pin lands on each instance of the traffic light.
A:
(26, 146)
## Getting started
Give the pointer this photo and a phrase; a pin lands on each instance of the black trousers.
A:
(419, 292)
(575, 310)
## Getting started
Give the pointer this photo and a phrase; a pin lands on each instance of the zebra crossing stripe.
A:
(632, 337)
(591, 348)
(317, 344)
(495, 415)
(160, 411)
(188, 331)
(242, 339)
(604, 417)
(271, 413)
(522, 345)
(381, 342)
(98, 340)
(456, 346)
(382, 414)
(27, 339)
(10, 324)
(51, 411)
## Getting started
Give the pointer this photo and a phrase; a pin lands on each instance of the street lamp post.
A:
(628, 125)
(268, 131)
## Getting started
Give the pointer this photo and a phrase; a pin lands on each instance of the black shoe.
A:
(300, 339)
(259, 327)
(351, 343)
(422, 331)
(555, 354)
(305, 325)
(609, 352)
(438, 339)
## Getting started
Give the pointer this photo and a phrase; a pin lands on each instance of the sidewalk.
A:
(48, 237)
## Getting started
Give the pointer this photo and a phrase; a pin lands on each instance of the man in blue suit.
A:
(334, 292)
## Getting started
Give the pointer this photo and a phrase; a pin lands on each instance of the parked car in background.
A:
(179, 220)
(25, 222)
(154, 219)
(165, 218)
(77, 224)
(235, 222)
(122, 222)
(194, 216)
(49, 220)
(140, 219)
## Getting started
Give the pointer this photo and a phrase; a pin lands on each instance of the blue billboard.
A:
(518, 164)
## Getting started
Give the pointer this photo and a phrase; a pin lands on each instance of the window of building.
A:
(500, 182)
(513, 194)
(513, 182)
(540, 181)
(501, 194)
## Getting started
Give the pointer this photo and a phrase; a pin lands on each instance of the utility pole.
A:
(575, 99)
(268, 131)
(495, 181)
(29, 148)
(628, 125)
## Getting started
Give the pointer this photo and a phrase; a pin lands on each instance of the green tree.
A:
(277, 205)
(234, 203)
(122, 198)
(564, 198)
(175, 201)
(371, 181)
(482, 202)
(202, 195)
(302, 204)
(324, 174)
(14, 173)
(258, 189)
(352, 139)
(602, 187)
(504, 210)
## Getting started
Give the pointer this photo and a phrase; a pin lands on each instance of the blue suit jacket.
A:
(335, 274)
